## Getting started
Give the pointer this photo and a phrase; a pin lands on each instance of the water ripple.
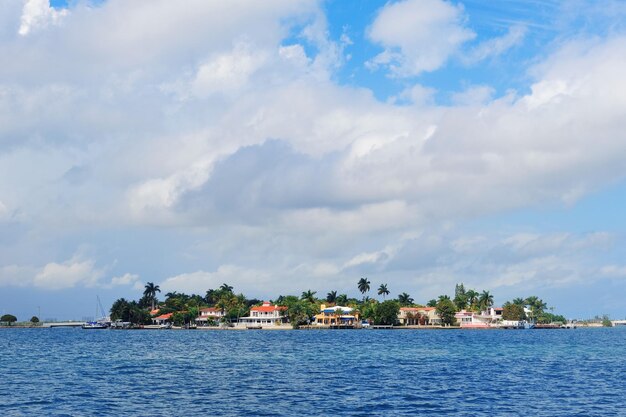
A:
(68, 372)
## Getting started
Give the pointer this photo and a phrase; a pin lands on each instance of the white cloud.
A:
(68, 274)
(418, 35)
(4, 211)
(496, 46)
(38, 14)
(127, 280)
(216, 130)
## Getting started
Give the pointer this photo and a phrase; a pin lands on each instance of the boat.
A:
(101, 323)
(91, 325)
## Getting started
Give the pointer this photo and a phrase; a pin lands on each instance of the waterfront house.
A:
(336, 316)
(162, 319)
(412, 316)
(266, 315)
(209, 314)
(483, 320)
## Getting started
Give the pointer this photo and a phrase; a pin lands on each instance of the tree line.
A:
(301, 309)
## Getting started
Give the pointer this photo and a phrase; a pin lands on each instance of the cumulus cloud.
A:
(68, 274)
(418, 35)
(37, 14)
(228, 144)
(127, 280)
(75, 272)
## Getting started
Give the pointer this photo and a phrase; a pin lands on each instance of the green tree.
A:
(606, 321)
(150, 292)
(386, 313)
(446, 311)
(342, 299)
(472, 298)
(382, 290)
(364, 286)
(405, 299)
(512, 311)
(226, 288)
(460, 297)
(308, 296)
(8, 319)
(519, 301)
(536, 306)
(431, 303)
(298, 311)
(34, 320)
(331, 297)
(485, 300)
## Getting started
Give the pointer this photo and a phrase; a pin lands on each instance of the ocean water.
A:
(74, 372)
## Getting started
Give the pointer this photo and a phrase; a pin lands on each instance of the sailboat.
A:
(102, 323)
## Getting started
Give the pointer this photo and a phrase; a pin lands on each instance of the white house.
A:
(483, 320)
(209, 314)
(266, 315)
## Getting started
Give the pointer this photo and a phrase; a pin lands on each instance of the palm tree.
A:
(331, 297)
(519, 301)
(472, 297)
(382, 290)
(485, 300)
(342, 299)
(364, 285)
(443, 297)
(537, 306)
(338, 314)
(405, 299)
(226, 288)
(150, 292)
(308, 296)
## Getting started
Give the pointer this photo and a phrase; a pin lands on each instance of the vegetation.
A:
(300, 310)
(405, 299)
(34, 320)
(8, 319)
(386, 313)
(513, 312)
(150, 293)
(382, 290)
(446, 311)
(606, 321)
(364, 286)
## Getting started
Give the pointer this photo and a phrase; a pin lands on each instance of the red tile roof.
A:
(163, 316)
(268, 308)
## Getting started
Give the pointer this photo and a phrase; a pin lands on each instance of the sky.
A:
(288, 145)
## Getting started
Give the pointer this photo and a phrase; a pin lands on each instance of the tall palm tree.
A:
(472, 297)
(342, 299)
(405, 299)
(382, 290)
(536, 305)
(443, 297)
(331, 297)
(485, 300)
(226, 288)
(364, 285)
(519, 301)
(150, 292)
(308, 296)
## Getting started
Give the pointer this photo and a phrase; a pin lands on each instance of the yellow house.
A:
(336, 316)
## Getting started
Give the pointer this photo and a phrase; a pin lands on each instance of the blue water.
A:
(73, 372)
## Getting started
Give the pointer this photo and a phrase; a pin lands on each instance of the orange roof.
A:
(164, 316)
(267, 308)
(154, 312)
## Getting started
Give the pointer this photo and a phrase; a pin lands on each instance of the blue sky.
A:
(304, 144)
